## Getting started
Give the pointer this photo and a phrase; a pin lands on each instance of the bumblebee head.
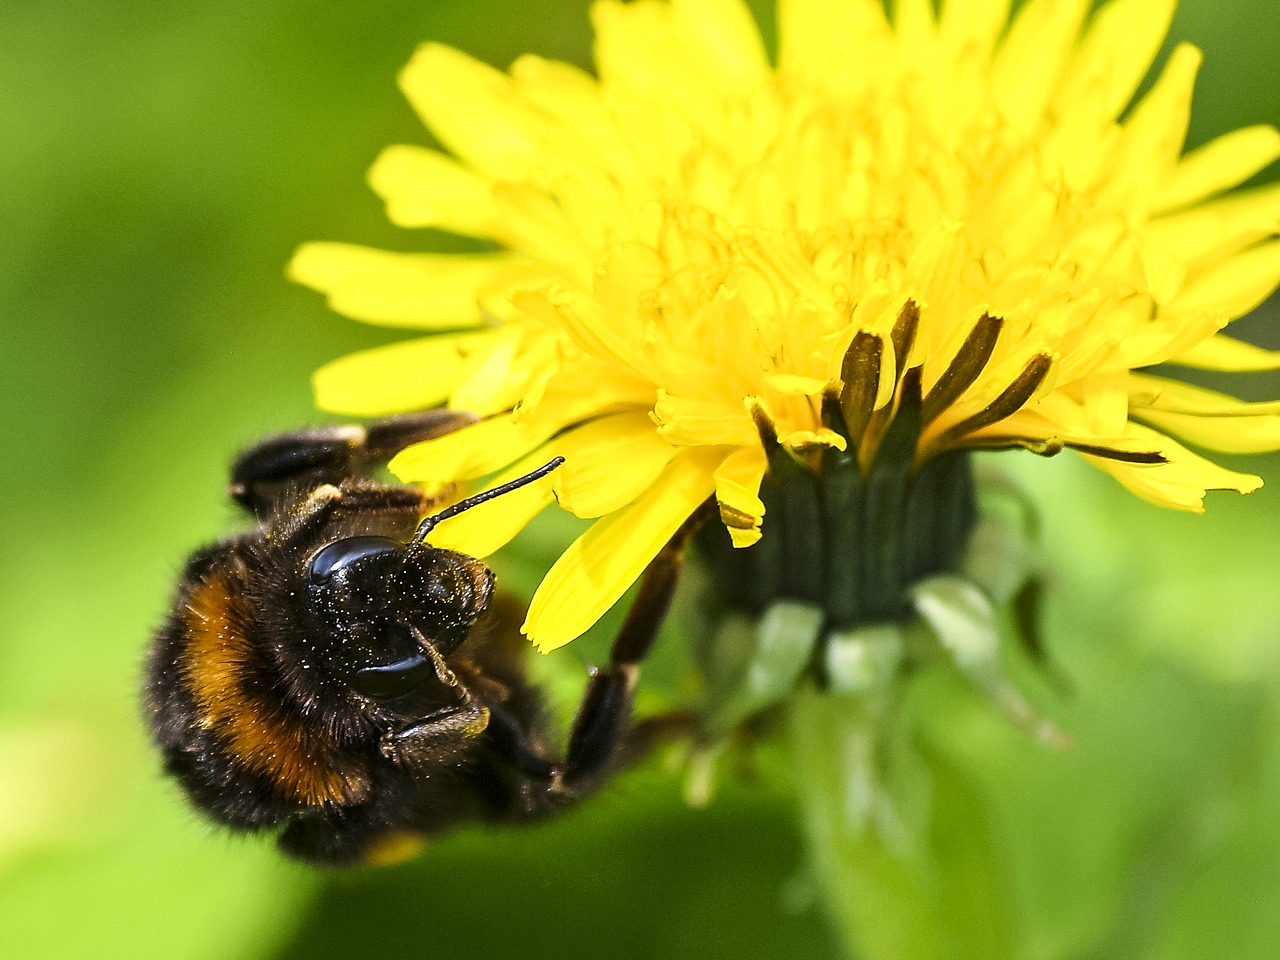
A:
(384, 613)
(377, 603)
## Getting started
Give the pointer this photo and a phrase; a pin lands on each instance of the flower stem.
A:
(898, 841)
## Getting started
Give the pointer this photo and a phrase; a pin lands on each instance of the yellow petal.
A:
(1182, 482)
(1030, 58)
(600, 565)
(472, 451)
(738, 494)
(691, 422)
(1103, 401)
(587, 388)
(1174, 396)
(803, 441)
(537, 224)
(814, 41)
(914, 24)
(427, 290)
(501, 377)
(1113, 57)
(472, 110)
(1212, 231)
(1219, 165)
(1168, 335)
(608, 463)
(1221, 352)
(1165, 275)
(492, 381)
(1153, 135)
(426, 188)
(584, 322)
(778, 258)
(411, 375)
(489, 526)
(573, 119)
(1250, 434)
(930, 271)
(1063, 422)
(654, 68)
(640, 75)
(1206, 418)
(1233, 287)
(795, 385)
(727, 40)
(972, 25)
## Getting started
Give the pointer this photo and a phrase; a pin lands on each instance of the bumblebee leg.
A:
(387, 437)
(275, 468)
(605, 712)
(438, 741)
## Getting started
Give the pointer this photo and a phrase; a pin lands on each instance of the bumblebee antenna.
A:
(429, 524)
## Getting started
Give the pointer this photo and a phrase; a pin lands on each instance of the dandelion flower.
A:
(908, 239)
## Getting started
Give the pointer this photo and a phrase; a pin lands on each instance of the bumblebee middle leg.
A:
(602, 735)
(603, 721)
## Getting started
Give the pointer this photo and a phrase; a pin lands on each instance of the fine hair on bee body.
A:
(331, 677)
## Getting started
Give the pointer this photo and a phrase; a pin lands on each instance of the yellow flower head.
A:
(698, 250)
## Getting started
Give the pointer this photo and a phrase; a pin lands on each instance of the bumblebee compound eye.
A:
(338, 559)
(375, 605)
(355, 613)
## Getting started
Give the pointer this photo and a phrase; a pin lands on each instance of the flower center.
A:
(847, 540)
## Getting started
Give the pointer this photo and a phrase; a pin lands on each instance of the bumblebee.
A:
(330, 676)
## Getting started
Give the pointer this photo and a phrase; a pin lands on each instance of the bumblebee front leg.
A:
(274, 469)
(445, 737)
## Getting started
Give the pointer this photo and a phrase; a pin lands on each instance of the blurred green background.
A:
(159, 164)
